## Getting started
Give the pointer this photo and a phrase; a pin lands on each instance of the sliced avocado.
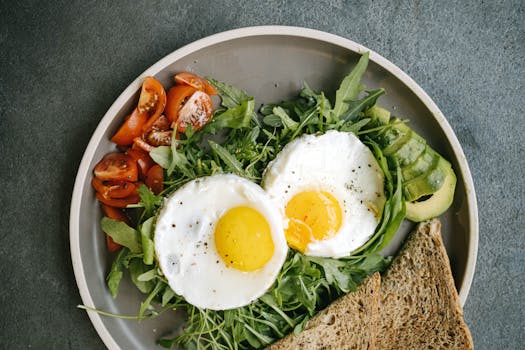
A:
(437, 204)
(395, 137)
(378, 114)
(410, 151)
(428, 183)
(423, 163)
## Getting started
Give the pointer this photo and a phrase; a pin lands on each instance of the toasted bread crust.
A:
(348, 323)
(419, 305)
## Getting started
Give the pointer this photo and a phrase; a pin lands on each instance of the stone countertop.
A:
(62, 65)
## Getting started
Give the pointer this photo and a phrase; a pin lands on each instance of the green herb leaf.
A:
(350, 86)
(122, 234)
(234, 118)
(115, 274)
(136, 269)
(231, 96)
(233, 165)
(146, 232)
(149, 200)
(162, 156)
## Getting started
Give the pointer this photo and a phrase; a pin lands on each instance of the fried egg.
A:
(220, 242)
(331, 191)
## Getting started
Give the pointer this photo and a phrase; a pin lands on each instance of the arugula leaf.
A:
(149, 200)
(233, 118)
(146, 232)
(350, 86)
(162, 156)
(137, 269)
(231, 162)
(115, 274)
(358, 106)
(287, 122)
(122, 234)
(231, 96)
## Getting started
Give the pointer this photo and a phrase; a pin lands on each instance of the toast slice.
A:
(348, 323)
(419, 305)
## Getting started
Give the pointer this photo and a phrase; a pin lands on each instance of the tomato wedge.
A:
(152, 98)
(143, 160)
(131, 128)
(116, 214)
(177, 97)
(116, 167)
(118, 202)
(113, 189)
(155, 179)
(195, 82)
(197, 111)
(139, 143)
(161, 123)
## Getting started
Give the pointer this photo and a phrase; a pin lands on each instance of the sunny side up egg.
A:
(331, 189)
(220, 242)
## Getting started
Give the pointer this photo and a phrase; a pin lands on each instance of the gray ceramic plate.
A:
(271, 63)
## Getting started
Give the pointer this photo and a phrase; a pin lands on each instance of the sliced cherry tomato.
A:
(177, 97)
(159, 138)
(161, 123)
(197, 111)
(152, 98)
(113, 189)
(143, 160)
(139, 143)
(131, 128)
(155, 179)
(117, 167)
(111, 244)
(118, 202)
(116, 214)
(195, 82)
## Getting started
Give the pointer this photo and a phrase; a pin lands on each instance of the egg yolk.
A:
(243, 239)
(313, 215)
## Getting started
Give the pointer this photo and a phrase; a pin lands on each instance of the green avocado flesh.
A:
(421, 165)
(427, 183)
(378, 114)
(437, 204)
(410, 151)
(395, 137)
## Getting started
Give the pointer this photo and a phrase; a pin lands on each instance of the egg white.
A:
(338, 163)
(185, 244)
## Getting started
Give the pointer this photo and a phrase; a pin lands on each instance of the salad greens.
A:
(241, 141)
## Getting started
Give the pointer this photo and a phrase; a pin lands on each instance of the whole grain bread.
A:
(348, 323)
(419, 306)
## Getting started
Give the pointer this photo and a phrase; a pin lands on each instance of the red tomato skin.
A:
(197, 111)
(116, 214)
(152, 98)
(131, 128)
(177, 96)
(155, 179)
(143, 160)
(118, 202)
(198, 83)
(116, 167)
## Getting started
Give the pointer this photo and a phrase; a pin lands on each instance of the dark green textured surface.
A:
(63, 64)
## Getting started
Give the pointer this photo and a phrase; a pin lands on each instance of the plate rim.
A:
(269, 30)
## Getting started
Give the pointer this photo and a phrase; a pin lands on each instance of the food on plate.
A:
(419, 305)
(428, 179)
(330, 187)
(414, 305)
(253, 221)
(220, 242)
(350, 322)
